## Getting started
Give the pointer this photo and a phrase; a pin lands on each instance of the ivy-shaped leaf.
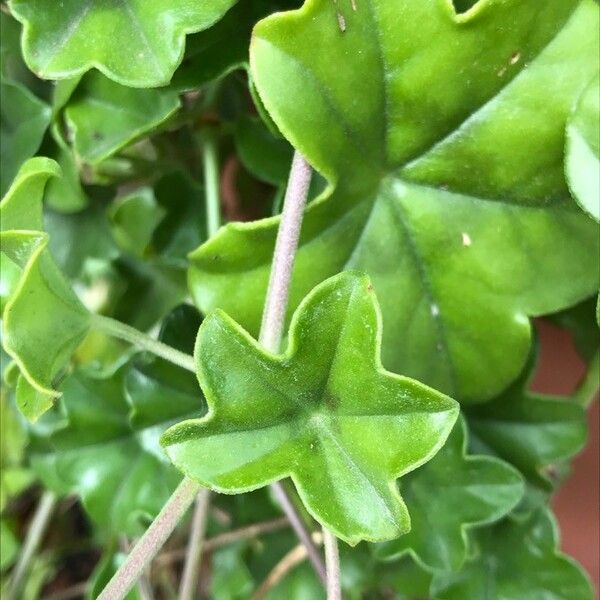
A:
(444, 152)
(103, 117)
(531, 431)
(583, 150)
(43, 320)
(135, 43)
(24, 119)
(108, 452)
(516, 559)
(449, 495)
(324, 413)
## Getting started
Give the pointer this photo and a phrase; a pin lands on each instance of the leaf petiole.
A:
(125, 332)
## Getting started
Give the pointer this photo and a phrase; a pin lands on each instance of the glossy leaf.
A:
(104, 117)
(448, 190)
(583, 150)
(43, 320)
(449, 496)
(517, 559)
(24, 119)
(324, 412)
(134, 43)
(531, 431)
(108, 453)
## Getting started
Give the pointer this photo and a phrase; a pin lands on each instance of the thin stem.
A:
(229, 537)
(276, 302)
(35, 535)
(332, 559)
(191, 568)
(143, 341)
(210, 163)
(149, 544)
(144, 587)
(587, 390)
(300, 529)
(294, 557)
(271, 330)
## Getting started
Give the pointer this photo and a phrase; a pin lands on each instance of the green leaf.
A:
(267, 157)
(517, 559)
(137, 44)
(104, 117)
(531, 431)
(583, 150)
(449, 496)
(447, 189)
(43, 320)
(9, 545)
(108, 452)
(134, 218)
(24, 119)
(324, 413)
(231, 578)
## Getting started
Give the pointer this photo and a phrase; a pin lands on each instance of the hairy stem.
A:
(191, 568)
(145, 342)
(149, 544)
(210, 164)
(273, 321)
(35, 535)
(332, 559)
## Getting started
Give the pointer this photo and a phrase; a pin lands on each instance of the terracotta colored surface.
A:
(577, 504)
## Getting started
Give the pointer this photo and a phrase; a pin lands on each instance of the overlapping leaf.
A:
(449, 495)
(104, 116)
(533, 432)
(108, 453)
(516, 559)
(134, 43)
(324, 413)
(583, 150)
(43, 320)
(442, 137)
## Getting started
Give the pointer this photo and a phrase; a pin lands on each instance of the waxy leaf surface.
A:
(324, 413)
(531, 431)
(104, 116)
(583, 150)
(516, 559)
(452, 493)
(442, 138)
(24, 119)
(108, 452)
(137, 43)
(43, 320)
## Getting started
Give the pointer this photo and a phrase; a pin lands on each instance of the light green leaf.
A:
(134, 43)
(134, 218)
(447, 497)
(104, 117)
(24, 119)
(517, 559)
(583, 150)
(324, 413)
(531, 431)
(442, 139)
(43, 320)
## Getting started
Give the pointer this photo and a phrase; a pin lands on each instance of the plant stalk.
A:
(145, 342)
(332, 559)
(191, 568)
(273, 321)
(35, 535)
(588, 388)
(149, 544)
(210, 163)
